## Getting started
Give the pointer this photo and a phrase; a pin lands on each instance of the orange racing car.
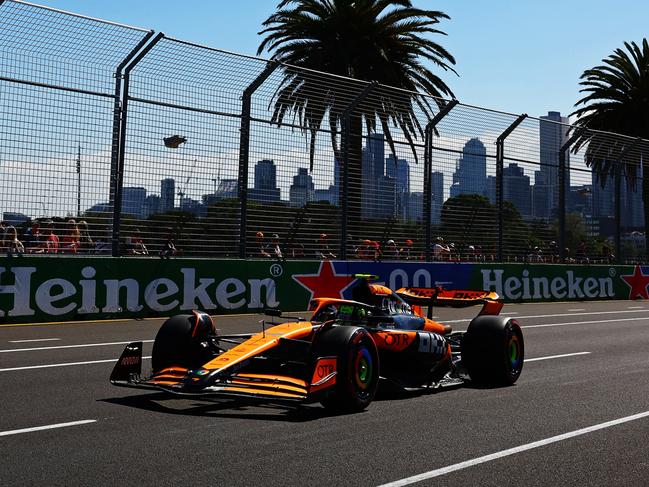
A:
(338, 357)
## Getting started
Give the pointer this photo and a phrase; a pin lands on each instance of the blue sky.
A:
(516, 56)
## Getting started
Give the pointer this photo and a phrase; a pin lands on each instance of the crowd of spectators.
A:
(440, 251)
(74, 238)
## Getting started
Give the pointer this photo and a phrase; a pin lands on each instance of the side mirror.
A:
(273, 312)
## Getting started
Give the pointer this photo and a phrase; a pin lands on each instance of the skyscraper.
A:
(167, 194)
(373, 168)
(133, 202)
(516, 189)
(470, 176)
(302, 189)
(553, 133)
(265, 189)
(437, 196)
(399, 170)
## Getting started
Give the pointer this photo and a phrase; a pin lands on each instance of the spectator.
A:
(135, 245)
(86, 245)
(51, 240)
(3, 227)
(103, 246)
(471, 255)
(553, 250)
(34, 240)
(275, 250)
(441, 251)
(406, 251)
(535, 257)
(391, 252)
(261, 250)
(169, 248)
(567, 258)
(70, 242)
(580, 255)
(11, 243)
(323, 251)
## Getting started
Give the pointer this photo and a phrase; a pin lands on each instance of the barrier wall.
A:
(38, 289)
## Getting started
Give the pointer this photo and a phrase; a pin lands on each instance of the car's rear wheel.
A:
(493, 350)
(357, 375)
(180, 342)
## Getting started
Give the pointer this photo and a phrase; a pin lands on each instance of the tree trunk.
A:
(645, 198)
(354, 188)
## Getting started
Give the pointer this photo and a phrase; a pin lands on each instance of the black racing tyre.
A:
(493, 351)
(174, 344)
(357, 376)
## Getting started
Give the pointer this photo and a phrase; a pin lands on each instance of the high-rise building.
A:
(436, 197)
(228, 188)
(167, 195)
(265, 189)
(553, 134)
(302, 189)
(387, 201)
(133, 202)
(516, 189)
(470, 176)
(603, 197)
(399, 170)
(372, 167)
(151, 205)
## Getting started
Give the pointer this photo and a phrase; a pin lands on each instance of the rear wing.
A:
(426, 296)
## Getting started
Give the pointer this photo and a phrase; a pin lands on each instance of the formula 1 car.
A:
(340, 355)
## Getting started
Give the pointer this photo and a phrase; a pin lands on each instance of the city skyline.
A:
(386, 186)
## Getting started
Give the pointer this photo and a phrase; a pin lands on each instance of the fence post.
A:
(618, 199)
(500, 161)
(244, 153)
(562, 191)
(345, 122)
(117, 115)
(119, 169)
(428, 169)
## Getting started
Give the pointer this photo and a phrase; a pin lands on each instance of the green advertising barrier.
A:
(547, 282)
(48, 288)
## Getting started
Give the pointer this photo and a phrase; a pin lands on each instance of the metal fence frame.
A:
(147, 42)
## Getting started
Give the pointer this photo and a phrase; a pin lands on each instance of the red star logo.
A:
(326, 283)
(638, 283)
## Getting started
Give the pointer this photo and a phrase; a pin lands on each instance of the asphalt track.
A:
(579, 415)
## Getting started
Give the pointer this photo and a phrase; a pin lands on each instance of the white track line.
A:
(512, 451)
(83, 345)
(47, 427)
(635, 307)
(48, 366)
(562, 315)
(578, 309)
(549, 357)
(35, 340)
(545, 325)
(510, 313)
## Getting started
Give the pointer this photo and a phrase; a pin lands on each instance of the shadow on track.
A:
(221, 408)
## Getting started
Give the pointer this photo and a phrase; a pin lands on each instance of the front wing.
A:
(201, 382)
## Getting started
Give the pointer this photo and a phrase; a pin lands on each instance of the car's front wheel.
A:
(180, 342)
(357, 371)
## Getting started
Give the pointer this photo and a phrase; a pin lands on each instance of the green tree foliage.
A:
(377, 41)
(616, 99)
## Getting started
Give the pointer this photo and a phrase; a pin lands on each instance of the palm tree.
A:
(617, 100)
(378, 41)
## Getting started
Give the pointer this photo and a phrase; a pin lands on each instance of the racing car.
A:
(338, 357)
